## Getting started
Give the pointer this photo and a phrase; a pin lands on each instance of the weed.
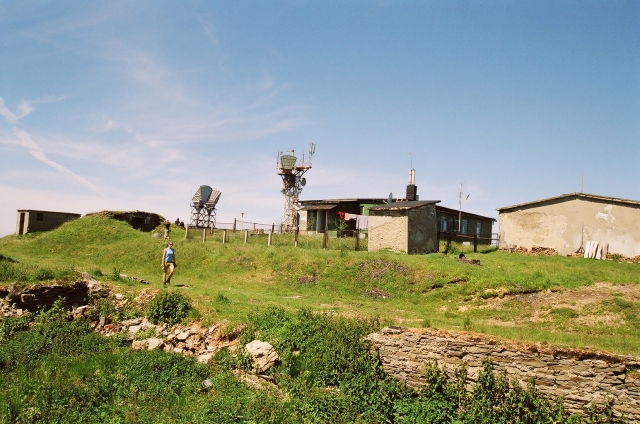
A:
(168, 306)
(466, 323)
(221, 298)
(564, 313)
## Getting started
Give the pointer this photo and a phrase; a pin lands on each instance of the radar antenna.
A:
(203, 207)
(292, 173)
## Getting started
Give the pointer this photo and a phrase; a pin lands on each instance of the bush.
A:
(169, 306)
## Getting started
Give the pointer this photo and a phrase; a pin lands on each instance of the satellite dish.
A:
(390, 198)
(303, 182)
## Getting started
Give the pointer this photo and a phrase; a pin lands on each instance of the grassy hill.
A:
(558, 300)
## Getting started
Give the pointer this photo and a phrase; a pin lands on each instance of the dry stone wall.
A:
(581, 377)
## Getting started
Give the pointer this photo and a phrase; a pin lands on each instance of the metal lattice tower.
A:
(293, 181)
(203, 207)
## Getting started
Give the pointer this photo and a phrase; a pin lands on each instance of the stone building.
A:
(31, 221)
(565, 223)
(408, 227)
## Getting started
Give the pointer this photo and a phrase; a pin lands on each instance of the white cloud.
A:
(24, 107)
(24, 139)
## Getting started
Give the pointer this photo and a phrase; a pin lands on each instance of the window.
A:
(39, 217)
(443, 223)
(478, 227)
(463, 230)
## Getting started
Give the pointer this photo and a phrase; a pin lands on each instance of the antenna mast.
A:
(460, 210)
(293, 181)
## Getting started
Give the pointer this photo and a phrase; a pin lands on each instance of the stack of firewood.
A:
(543, 251)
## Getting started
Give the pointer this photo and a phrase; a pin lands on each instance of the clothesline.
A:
(362, 221)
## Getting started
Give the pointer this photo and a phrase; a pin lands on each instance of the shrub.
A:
(169, 306)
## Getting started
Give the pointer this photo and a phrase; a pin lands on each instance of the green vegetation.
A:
(168, 306)
(56, 371)
(508, 295)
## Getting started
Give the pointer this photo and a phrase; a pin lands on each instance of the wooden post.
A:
(273, 227)
(357, 246)
(254, 227)
(224, 236)
(269, 240)
(475, 242)
(186, 232)
(246, 234)
(204, 234)
(234, 225)
(295, 244)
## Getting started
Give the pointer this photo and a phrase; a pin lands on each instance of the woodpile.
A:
(535, 251)
(543, 251)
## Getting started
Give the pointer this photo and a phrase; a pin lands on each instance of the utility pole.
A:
(460, 209)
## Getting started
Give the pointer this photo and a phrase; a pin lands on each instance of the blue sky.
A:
(129, 105)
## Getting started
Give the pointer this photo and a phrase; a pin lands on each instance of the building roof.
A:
(336, 201)
(316, 207)
(399, 206)
(39, 211)
(576, 195)
(466, 214)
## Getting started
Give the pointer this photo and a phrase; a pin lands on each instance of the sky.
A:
(132, 105)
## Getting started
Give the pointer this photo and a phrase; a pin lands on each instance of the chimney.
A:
(412, 190)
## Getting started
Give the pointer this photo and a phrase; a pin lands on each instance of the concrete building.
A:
(565, 223)
(31, 221)
(409, 227)
(314, 214)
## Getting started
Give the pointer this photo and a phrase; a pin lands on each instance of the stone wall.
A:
(581, 377)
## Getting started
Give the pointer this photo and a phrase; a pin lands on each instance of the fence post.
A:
(234, 225)
(357, 233)
(295, 244)
(186, 232)
(325, 239)
(269, 240)
(273, 227)
(246, 234)
(204, 234)
(475, 243)
(224, 236)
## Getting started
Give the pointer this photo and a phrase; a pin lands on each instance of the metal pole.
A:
(186, 232)
(234, 225)
(204, 234)
(269, 240)
(224, 236)
(246, 234)
(460, 210)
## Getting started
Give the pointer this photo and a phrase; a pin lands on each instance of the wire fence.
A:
(263, 235)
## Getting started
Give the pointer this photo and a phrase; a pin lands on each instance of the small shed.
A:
(409, 227)
(565, 223)
(31, 221)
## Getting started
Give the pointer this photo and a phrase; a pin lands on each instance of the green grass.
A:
(231, 280)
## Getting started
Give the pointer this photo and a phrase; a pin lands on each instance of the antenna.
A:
(293, 181)
(203, 207)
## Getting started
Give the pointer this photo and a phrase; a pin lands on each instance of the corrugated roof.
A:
(404, 205)
(576, 195)
(323, 206)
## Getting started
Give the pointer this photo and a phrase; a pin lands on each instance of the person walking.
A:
(168, 264)
(167, 229)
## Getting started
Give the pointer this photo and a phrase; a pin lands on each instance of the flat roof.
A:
(404, 205)
(36, 210)
(575, 195)
(469, 214)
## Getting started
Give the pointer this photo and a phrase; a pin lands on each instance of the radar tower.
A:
(293, 181)
(203, 207)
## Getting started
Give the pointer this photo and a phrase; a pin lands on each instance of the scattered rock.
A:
(263, 355)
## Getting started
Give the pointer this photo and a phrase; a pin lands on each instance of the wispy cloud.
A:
(24, 139)
(209, 30)
(24, 108)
